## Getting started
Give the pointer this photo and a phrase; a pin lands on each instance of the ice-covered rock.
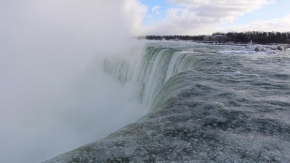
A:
(280, 48)
(259, 48)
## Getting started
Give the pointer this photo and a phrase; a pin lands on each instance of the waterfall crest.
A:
(151, 69)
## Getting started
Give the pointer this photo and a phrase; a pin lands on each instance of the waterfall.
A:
(203, 105)
(150, 70)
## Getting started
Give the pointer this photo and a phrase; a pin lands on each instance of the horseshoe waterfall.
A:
(201, 102)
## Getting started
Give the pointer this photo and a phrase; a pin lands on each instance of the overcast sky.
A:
(207, 16)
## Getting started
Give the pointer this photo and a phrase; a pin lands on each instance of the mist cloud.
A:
(54, 96)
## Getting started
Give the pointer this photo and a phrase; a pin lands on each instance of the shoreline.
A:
(254, 46)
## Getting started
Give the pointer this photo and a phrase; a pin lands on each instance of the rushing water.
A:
(162, 60)
(208, 103)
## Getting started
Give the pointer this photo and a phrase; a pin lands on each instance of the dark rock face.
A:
(206, 115)
(280, 48)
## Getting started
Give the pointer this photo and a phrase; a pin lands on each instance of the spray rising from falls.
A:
(53, 97)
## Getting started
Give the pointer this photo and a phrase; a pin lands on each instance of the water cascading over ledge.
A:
(151, 69)
(214, 108)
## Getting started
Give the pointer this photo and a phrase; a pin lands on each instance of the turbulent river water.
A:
(209, 103)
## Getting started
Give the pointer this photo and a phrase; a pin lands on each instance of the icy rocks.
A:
(270, 48)
(259, 48)
(280, 48)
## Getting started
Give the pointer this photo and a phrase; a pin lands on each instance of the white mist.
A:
(54, 96)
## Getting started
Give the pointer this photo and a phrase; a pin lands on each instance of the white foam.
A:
(235, 52)
(288, 51)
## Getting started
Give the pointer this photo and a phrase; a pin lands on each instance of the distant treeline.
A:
(259, 37)
(237, 37)
(173, 37)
